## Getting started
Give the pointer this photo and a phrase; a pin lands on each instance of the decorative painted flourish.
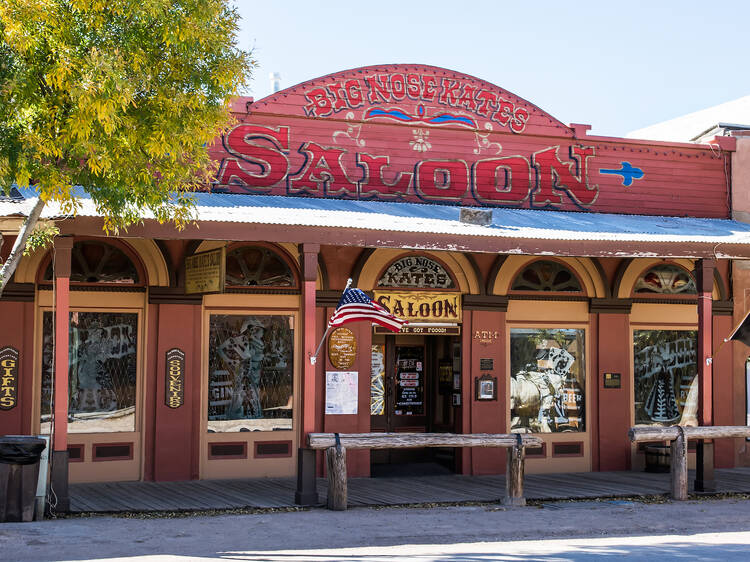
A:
(441, 119)
(352, 131)
(627, 171)
(483, 141)
(420, 142)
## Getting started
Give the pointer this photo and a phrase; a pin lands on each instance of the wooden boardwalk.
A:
(279, 492)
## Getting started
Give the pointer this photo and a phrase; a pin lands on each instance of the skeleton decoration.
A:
(546, 397)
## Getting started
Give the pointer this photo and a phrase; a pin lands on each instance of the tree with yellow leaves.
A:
(118, 98)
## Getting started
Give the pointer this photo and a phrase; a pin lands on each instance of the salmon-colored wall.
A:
(357, 461)
(614, 403)
(175, 448)
(741, 180)
(19, 333)
(722, 391)
(487, 416)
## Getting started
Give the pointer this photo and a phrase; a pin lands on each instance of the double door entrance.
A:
(414, 381)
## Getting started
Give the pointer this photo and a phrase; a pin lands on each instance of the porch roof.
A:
(443, 222)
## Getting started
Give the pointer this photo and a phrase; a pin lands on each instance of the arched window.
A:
(98, 262)
(546, 275)
(666, 279)
(257, 266)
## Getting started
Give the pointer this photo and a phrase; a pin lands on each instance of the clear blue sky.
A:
(618, 66)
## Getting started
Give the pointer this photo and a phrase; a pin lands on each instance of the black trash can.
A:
(19, 472)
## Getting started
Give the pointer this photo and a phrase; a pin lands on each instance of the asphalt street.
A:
(693, 530)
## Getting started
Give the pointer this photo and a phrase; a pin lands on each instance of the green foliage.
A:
(41, 237)
(120, 97)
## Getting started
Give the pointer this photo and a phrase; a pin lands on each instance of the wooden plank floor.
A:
(279, 492)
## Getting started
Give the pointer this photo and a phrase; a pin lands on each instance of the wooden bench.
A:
(678, 437)
(336, 445)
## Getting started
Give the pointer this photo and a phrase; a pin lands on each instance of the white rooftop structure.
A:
(693, 126)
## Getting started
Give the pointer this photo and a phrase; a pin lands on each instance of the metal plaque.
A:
(342, 348)
(486, 364)
(612, 380)
(9, 358)
(205, 271)
(174, 381)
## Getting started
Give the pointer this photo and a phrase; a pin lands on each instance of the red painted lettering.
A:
(337, 91)
(377, 88)
(319, 105)
(502, 181)
(374, 183)
(322, 173)
(445, 180)
(412, 85)
(467, 97)
(520, 117)
(354, 93)
(487, 102)
(555, 177)
(449, 93)
(271, 162)
(429, 87)
(504, 112)
(398, 87)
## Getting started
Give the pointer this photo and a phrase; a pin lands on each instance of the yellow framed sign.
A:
(421, 306)
(205, 272)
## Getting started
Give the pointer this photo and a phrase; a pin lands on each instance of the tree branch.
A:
(6, 271)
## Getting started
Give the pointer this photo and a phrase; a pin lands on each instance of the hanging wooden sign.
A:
(174, 378)
(421, 306)
(342, 348)
(9, 358)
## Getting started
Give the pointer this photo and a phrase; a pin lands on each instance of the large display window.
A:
(548, 380)
(103, 358)
(665, 381)
(250, 372)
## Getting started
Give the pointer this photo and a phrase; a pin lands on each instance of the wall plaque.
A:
(485, 388)
(205, 271)
(342, 348)
(9, 358)
(612, 380)
(486, 364)
(174, 381)
(418, 307)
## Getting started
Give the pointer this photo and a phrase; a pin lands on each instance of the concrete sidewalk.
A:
(394, 533)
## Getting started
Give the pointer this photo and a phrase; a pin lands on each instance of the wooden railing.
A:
(678, 437)
(336, 445)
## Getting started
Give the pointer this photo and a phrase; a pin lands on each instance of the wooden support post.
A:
(704, 467)
(514, 474)
(306, 494)
(679, 462)
(63, 247)
(336, 465)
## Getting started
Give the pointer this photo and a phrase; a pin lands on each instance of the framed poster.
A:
(341, 392)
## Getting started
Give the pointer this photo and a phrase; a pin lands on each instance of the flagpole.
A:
(314, 357)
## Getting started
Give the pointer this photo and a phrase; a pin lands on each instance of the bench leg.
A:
(679, 470)
(336, 466)
(514, 477)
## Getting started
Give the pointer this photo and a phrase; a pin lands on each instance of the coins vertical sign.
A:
(8, 378)
(174, 386)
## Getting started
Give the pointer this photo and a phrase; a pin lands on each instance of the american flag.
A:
(356, 306)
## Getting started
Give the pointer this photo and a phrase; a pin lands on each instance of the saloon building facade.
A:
(554, 282)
